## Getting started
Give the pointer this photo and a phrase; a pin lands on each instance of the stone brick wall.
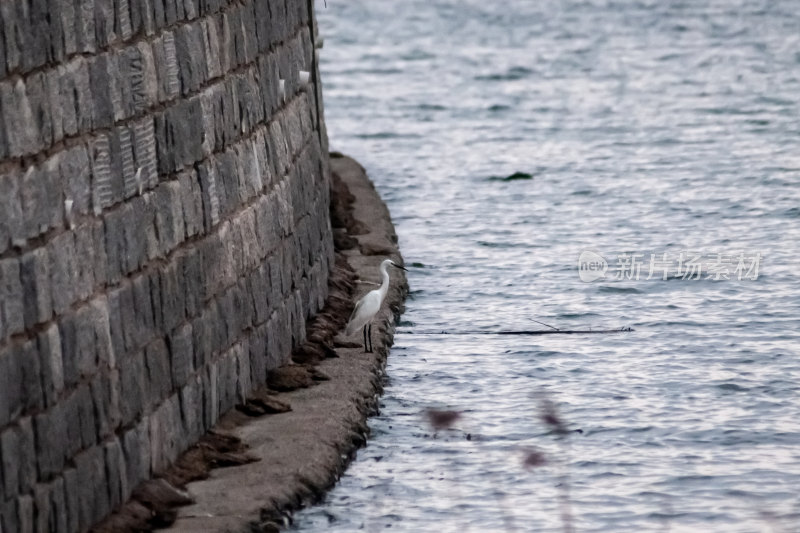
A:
(164, 234)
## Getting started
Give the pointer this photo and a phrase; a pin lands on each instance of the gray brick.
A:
(100, 82)
(158, 378)
(207, 173)
(133, 386)
(10, 386)
(211, 47)
(18, 458)
(49, 343)
(258, 356)
(210, 396)
(37, 94)
(190, 264)
(138, 221)
(166, 62)
(142, 17)
(79, 424)
(51, 506)
(114, 237)
(51, 433)
(104, 23)
(191, 403)
(106, 403)
(76, 177)
(27, 355)
(76, 96)
(72, 500)
(83, 283)
(11, 298)
(169, 216)
(144, 83)
(102, 179)
(172, 295)
(227, 381)
(93, 498)
(191, 57)
(145, 152)
(191, 197)
(136, 449)
(18, 117)
(119, 490)
(79, 338)
(165, 444)
(9, 520)
(25, 514)
(144, 321)
(181, 355)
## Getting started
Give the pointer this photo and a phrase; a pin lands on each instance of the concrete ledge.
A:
(302, 452)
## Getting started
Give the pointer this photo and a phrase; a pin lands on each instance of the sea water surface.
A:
(646, 127)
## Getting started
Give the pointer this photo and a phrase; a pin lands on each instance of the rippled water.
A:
(647, 127)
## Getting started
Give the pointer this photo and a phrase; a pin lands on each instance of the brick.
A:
(18, 117)
(104, 389)
(118, 487)
(191, 197)
(102, 179)
(51, 433)
(104, 23)
(143, 326)
(83, 283)
(49, 344)
(79, 424)
(76, 96)
(181, 355)
(25, 514)
(136, 451)
(51, 506)
(227, 381)
(257, 344)
(10, 210)
(27, 355)
(76, 178)
(11, 298)
(159, 379)
(144, 84)
(190, 265)
(191, 403)
(138, 222)
(166, 440)
(115, 247)
(100, 83)
(142, 17)
(93, 494)
(10, 386)
(79, 338)
(36, 88)
(207, 173)
(190, 54)
(145, 152)
(18, 458)
(211, 48)
(210, 396)
(72, 501)
(9, 519)
(169, 216)
(133, 386)
(166, 62)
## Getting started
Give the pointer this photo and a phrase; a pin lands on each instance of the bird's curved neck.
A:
(385, 281)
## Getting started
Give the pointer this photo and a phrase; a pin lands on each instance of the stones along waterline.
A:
(647, 128)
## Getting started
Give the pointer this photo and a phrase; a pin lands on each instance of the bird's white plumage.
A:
(369, 305)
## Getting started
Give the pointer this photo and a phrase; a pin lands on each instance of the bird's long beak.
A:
(401, 268)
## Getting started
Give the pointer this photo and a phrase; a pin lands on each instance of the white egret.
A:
(369, 305)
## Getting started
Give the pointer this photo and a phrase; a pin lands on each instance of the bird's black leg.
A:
(370, 338)
(365, 340)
